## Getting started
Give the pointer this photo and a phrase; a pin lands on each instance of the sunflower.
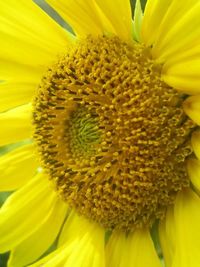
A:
(104, 124)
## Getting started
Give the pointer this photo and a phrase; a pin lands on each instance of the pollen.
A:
(111, 134)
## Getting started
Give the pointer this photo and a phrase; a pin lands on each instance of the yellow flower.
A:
(106, 130)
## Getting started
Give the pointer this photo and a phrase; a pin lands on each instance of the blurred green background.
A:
(52, 13)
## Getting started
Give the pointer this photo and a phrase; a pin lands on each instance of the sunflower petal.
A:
(196, 143)
(116, 250)
(56, 258)
(128, 252)
(139, 242)
(28, 35)
(11, 71)
(178, 31)
(192, 108)
(90, 249)
(27, 251)
(30, 41)
(153, 15)
(18, 85)
(70, 227)
(81, 15)
(177, 46)
(17, 167)
(190, 54)
(193, 167)
(15, 124)
(166, 236)
(13, 94)
(24, 211)
(84, 246)
(119, 14)
(187, 234)
(180, 240)
(90, 237)
(184, 74)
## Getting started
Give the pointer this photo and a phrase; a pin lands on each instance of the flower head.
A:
(106, 123)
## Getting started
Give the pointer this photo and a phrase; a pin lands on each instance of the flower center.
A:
(83, 132)
(113, 137)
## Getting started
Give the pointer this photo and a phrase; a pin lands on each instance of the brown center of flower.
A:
(112, 135)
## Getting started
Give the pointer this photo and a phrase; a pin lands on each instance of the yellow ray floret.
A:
(37, 193)
(27, 251)
(17, 167)
(15, 124)
(196, 143)
(192, 108)
(128, 250)
(31, 37)
(90, 19)
(166, 236)
(151, 21)
(193, 166)
(187, 234)
(83, 244)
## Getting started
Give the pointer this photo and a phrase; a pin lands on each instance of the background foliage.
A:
(3, 150)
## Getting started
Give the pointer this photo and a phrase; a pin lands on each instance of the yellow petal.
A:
(119, 14)
(19, 83)
(84, 16)
(28, 35)
(192, 108)
(177, 46)
(13, 94)
(178, 31)
(89, 251)
(83, 247)
(11, 71)
(196, 143)
(58, 257)
(166, 236)
(24, 211)
(30, 41)
(15, 124)
(173, 15)
(193, 167)
(190, 54)
(17, 167)
(116, 250)
(142, 249)
(70, 227)
(135, 250)
(184, 73)
(154, 13)
(187, 234)
(36, 244)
